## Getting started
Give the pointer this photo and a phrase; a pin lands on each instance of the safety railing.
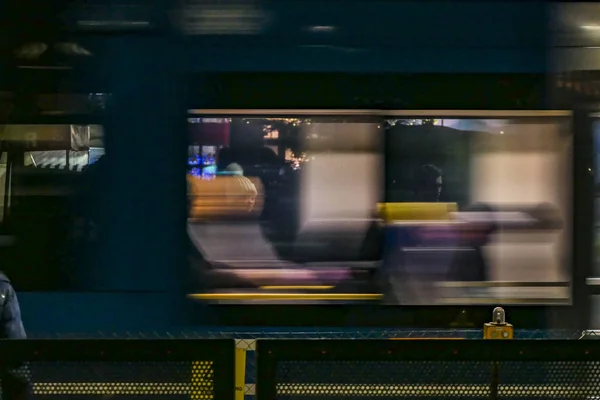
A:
(118, 369)
(487, 369)
(246, 339)
(301, 365)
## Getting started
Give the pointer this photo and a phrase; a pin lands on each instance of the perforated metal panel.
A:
(549, 380)
(440, 380)
(115, 380)
(385, 380)
(446, 369)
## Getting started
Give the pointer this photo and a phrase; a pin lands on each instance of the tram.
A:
(147, 85)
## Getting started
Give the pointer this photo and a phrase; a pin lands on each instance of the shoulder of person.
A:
(5, 285)
(6, 288)
(4, 279)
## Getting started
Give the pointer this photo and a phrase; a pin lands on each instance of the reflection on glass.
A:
(404, 211)
(505, 187)
(49, 188)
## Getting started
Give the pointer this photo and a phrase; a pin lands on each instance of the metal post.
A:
(498, 329)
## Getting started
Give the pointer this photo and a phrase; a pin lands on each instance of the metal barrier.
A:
(384, 369)
(79, 368)
(119, 369)
(246, 338)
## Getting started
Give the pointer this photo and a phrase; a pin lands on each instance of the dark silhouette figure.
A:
(428, 184)
(10, 312)
(469, 264)
(13, 377)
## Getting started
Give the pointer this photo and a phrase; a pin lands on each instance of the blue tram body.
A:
(292, 53)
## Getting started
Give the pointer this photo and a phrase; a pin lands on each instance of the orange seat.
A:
(224, 196)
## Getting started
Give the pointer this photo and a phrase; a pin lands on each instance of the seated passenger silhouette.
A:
(428, 184)
(474, 233)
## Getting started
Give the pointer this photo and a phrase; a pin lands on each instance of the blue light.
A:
(195, 160)
(195, 172)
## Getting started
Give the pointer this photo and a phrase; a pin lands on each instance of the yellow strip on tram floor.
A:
(286, 296)
(296, 287)
(428, 338)
(424, 390)
(367, 297)
(122, 388)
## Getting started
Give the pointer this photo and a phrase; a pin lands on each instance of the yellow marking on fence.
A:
(202, 384)
(304, 389)
(433, 390)
(240, 373)
(124, 389)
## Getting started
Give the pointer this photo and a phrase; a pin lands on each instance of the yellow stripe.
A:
(297, 287)
(302, 389)
(124, 388)
(425, 390)
(286, 296)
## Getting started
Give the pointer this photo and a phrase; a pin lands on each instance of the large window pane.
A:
(363, 208)
(505, 186)
(273, 198)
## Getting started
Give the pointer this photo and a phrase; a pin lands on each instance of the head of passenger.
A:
(234, 169)
(428, 184)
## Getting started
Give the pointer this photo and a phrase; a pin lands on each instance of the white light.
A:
(322, 28)
(591, 27)
(502, 132)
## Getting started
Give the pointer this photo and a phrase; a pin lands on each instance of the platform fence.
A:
(150, 369)
(245, 339)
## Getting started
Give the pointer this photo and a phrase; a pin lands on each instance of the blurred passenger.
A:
(469, 263)
(428, 184)
(13, 377)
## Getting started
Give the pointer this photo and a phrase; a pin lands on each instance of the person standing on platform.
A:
(13, 377)
(12, 326)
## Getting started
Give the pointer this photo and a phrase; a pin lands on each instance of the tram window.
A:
(403, 210)
(267, 152)
(508, 180)
(281, 192)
